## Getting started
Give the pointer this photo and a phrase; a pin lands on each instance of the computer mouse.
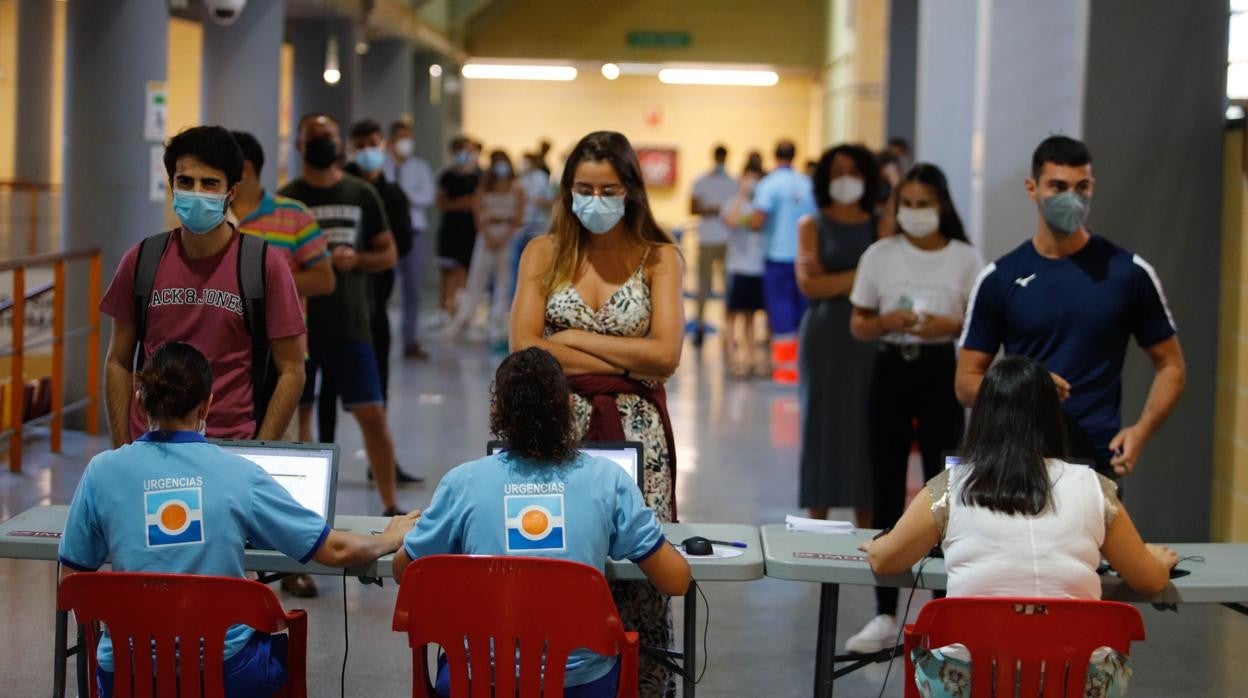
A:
(697, 545)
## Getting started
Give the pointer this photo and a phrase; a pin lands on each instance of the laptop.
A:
(626, 454)
(309, 472)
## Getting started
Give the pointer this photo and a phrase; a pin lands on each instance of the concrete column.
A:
(310, 91)
(903, 37)
(242, 76)
(387, 81)
(33, 145)
(1153, 117)
(113, 49)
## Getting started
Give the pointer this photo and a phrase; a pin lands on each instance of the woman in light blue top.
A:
(172, 502)
(541, 497)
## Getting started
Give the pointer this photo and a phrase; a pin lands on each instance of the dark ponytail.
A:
(531, 408)
(174, 381)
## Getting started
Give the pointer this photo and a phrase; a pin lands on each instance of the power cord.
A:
(901, 626)
(706, 629)
(346, 639)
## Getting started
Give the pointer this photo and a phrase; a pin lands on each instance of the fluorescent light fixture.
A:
(332, 74)
(435, 71)
(610, 71)
(507, 71)
(718, 76)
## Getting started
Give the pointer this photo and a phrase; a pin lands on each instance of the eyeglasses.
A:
(609, 190)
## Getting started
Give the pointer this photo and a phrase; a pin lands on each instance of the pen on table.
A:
(730, 543)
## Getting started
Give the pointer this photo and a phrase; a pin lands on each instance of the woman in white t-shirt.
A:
(1016, 519)
(909, 297)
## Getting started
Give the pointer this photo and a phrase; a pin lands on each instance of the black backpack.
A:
(251, 285)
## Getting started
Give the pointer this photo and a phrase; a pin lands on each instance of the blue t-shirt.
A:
(584, 511)
(172, 502)
(785, 196)
(1074, 316)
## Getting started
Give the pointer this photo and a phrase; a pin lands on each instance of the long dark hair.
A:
(174, 380)
(864, 162)
(531, 407)
(567, 233)
(933, 178)
(1016, 424)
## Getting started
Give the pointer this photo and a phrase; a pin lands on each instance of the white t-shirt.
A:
(1053, 555)
(714, 189)
(746, 251)
(894, 274)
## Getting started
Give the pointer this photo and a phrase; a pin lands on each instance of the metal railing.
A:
(19, 347)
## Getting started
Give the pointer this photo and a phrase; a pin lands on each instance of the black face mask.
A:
(320, 152)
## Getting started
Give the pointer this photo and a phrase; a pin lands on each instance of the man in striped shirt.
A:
(1071, 300)
(287, 225)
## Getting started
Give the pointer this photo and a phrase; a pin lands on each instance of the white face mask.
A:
(404, 147)
(918, 222)
(846, 189)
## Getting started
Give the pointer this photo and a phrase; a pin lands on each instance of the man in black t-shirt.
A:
(339, 327)
(457, 233)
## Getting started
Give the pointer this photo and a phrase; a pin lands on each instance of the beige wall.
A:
(781, 32)
(186, 48)
(853, 72)
(8, 85)
(1230, 469)
(515, 115)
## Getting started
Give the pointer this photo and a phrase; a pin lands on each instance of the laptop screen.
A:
(626, 454)
(309, 472)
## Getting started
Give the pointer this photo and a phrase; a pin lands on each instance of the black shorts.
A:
(745, 293)
(455, 248)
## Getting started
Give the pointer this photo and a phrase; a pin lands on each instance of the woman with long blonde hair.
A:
(602, 293)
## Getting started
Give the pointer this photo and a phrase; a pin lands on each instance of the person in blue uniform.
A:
(542, 497)
(172, 502)
(1071, 300)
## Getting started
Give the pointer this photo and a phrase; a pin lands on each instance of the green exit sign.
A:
(657, 39)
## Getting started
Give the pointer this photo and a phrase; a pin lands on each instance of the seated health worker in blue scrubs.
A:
(541, 497)
(171, 502)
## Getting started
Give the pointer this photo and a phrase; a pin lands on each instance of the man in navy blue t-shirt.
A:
(1071, 300)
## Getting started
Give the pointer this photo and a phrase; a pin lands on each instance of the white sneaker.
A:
(438, 320)
(880, 633)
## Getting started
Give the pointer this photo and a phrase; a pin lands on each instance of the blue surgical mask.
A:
(370, 159)
(598, 213)
(501, 170)
(200, 212)
(463, 157)
(1066, 212)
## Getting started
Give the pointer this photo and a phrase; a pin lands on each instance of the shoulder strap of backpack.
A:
(252, 283)
(148, 261)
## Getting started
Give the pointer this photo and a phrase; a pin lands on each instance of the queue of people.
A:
(887, 335)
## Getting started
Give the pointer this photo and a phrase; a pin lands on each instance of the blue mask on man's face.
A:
(199, 212)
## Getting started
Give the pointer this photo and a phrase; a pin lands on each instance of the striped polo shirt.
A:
(289, 227)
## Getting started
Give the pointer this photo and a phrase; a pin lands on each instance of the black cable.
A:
(901, 626)
(706, 629)
(346, 638)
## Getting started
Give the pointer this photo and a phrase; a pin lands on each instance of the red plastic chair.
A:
(539, 606)
(1032, 642)
(164, 608)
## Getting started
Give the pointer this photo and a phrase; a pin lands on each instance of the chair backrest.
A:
(162, 624)
(1024, 642)
(538, 608)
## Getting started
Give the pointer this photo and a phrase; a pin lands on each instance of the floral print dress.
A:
(627, 314)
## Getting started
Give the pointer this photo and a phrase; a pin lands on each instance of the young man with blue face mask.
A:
(1071, 300)
(195, 298)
